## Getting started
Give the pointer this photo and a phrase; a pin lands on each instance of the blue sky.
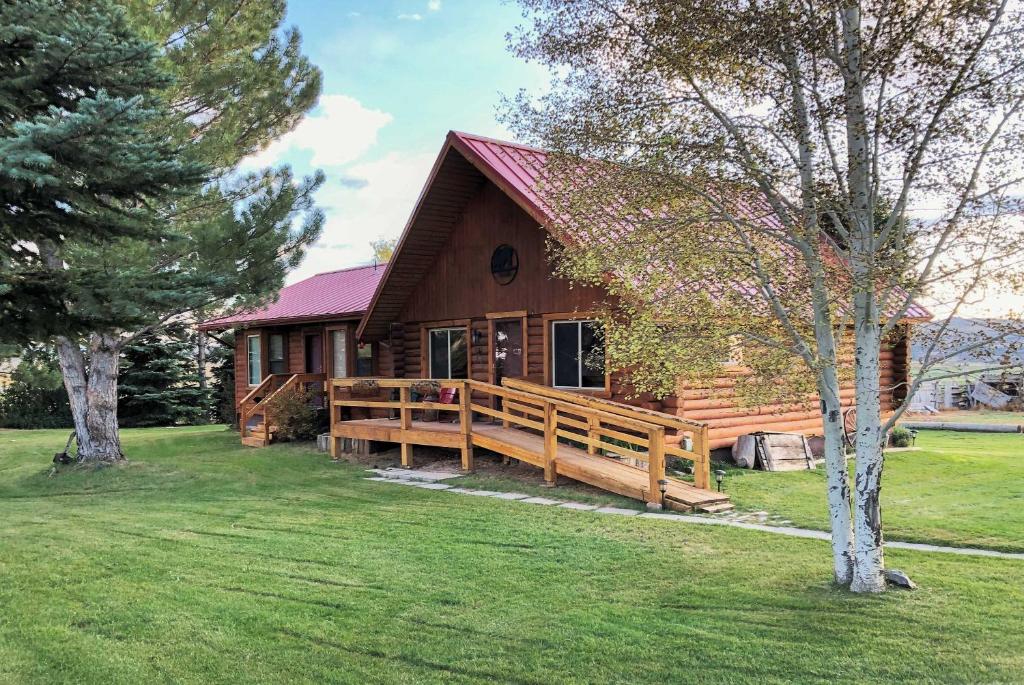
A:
(397, 76)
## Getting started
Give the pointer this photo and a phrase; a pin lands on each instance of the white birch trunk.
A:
(837, 480)
(869, 561)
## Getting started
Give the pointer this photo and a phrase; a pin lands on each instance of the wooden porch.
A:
(609, 445)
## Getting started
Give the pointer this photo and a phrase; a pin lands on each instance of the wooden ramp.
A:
(583, 443)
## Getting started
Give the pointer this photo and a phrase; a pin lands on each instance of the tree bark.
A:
(73, 371)
(101, 394)
(869, 561)
(201, 359)
(92, 394)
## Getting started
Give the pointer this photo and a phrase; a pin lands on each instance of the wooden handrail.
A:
(553, 412)
(699, 455)
(255, 391)
(248, 408)
(648, 415)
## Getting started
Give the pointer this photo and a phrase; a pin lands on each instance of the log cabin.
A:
(309, 331)
(469, 296)
(469, 293)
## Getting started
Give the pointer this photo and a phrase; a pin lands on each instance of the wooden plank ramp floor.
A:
(602, 472)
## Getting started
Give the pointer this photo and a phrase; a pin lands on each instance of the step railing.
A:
(259, 400)
(602, 433)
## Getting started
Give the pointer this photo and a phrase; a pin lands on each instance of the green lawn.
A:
(959, 489)
(970, 416)
(206, 562)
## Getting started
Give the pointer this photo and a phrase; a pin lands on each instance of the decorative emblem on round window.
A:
(504, 264)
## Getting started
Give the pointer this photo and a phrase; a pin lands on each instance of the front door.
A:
(314, 353)
(508, 349)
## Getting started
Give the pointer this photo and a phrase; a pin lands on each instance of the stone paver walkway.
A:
(429, 480)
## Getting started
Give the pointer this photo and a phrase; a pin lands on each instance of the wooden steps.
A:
(252, 441)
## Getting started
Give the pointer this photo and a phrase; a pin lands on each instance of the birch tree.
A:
(799, 169)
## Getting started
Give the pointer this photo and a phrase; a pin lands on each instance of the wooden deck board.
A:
(571, 462)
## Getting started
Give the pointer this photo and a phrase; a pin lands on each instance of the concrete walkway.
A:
(431, 481)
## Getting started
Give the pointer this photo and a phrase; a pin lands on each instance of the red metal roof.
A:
(345, 292)
(520, 170)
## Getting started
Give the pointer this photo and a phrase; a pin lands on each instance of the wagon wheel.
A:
(850, 426)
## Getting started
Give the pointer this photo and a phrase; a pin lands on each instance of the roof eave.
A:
(282, 321)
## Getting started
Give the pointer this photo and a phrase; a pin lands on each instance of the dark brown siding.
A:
(460, 284)
(295, 350)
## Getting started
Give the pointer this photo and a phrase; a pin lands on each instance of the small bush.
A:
(294, 415)
(900, 437)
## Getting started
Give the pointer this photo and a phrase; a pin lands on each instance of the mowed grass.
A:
(963, 489)
(206, 562)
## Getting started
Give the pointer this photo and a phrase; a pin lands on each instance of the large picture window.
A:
(448, 353)
(275, 351)
(253, 348)
(577, 355)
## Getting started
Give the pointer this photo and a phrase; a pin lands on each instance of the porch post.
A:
(550, 444)
(466, 427)
(405, 424)
(655, 464)
(702, 464)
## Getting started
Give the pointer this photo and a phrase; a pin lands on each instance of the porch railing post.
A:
(702, 464)
(655, 464)
(593, 423)
(405, 423)
(550, 443)
(333, 415)
(466, 427)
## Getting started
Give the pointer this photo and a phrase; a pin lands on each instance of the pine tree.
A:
(238, 83)
(83, 153)
(157, 385)
(36, 397)
(221, 358)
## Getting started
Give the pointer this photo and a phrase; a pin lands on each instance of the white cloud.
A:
(434, 5)
(378, 205)
(415, 16)
(339, 131)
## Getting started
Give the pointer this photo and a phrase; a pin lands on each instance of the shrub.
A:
(899, 437)
(294, 415)
(36, 397)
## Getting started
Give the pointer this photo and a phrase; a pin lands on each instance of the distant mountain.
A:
(963, 332)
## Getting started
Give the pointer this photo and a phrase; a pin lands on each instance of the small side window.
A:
(253, 349)
(277, 361)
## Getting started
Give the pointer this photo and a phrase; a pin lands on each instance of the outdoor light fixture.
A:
(719, 477)
(913, 437)
(663, 486)
(476, 336)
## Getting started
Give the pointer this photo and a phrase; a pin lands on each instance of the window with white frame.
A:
(577, 355)
(255, 370)
(448, 353)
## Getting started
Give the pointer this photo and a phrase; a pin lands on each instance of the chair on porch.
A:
(447, 396)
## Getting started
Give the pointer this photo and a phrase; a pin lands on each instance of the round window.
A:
(504, 264)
